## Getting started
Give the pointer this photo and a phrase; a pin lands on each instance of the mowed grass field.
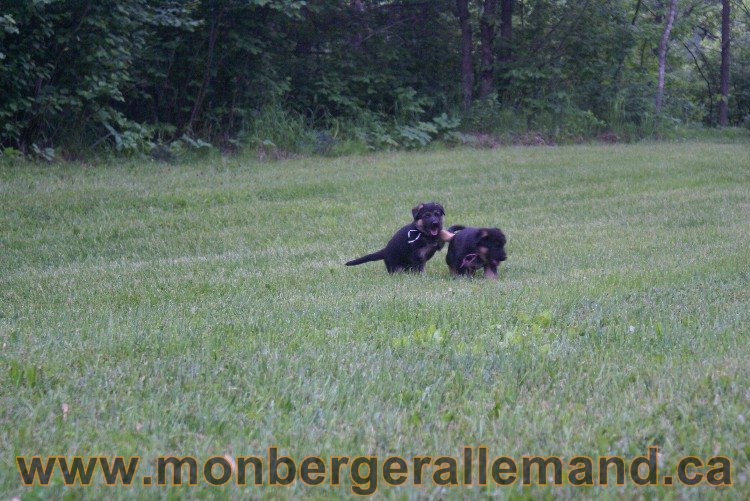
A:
(204, 309)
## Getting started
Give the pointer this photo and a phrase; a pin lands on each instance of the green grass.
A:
(204, 309)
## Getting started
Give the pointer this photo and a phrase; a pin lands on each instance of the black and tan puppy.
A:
(414, 244)
(474, 248)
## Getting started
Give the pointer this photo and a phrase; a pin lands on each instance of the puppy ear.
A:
(442, 211)
(481, 235)
(415, 210)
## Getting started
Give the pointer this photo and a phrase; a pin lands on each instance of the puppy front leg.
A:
(490, 272)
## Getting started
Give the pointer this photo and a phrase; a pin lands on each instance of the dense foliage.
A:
(289, 74)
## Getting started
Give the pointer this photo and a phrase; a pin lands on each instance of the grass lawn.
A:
(204, 309)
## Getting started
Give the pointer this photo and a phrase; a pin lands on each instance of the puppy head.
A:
(429, 218)
(491, 245)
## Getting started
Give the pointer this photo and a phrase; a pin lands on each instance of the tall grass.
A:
(274, 132)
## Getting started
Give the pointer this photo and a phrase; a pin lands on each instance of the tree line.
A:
(128, 75)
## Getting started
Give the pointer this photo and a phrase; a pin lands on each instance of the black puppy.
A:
(414, 244)
(474, 248)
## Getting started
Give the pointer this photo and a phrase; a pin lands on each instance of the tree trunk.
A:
(623, 52)
(724, 103)
(709, 90)
(359, 8)
(487, 35)
(663, 43)
(506, 29)
(467, 68)
(205, 82)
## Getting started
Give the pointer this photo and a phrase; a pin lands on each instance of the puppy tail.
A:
(375, 256)
(456, 227)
